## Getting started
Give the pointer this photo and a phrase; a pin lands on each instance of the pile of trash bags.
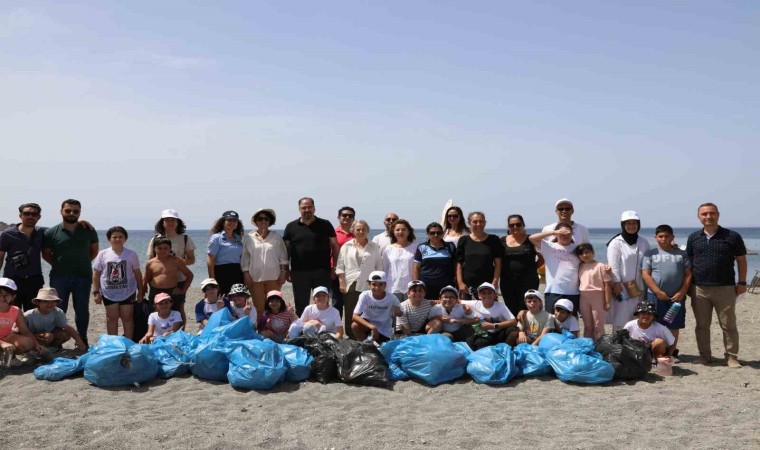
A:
(232, 352)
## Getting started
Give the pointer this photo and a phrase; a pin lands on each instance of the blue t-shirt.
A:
(668, 268)
(225, 251)
(437, 266)
(204, 309)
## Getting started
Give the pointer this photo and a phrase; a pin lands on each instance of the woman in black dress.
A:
(518, 265)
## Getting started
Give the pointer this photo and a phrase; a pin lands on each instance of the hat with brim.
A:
(269, 212)
(161, 297)
(230, 215)
(533, 293)
(277, 294)
(320, 289)
(563, 201)
(209, 282)
(8, 284)
(449, 289)
(646, 307)
(169, 214)
(46, 295)
(485, 286)
(565, 304)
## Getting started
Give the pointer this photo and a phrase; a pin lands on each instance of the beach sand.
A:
(698, 407)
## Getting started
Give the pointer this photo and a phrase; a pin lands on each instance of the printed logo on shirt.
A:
(117, 274)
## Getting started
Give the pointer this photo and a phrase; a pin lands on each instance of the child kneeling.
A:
(48, 323)
(13, 343)
(645, 329)
(373, 315)
(319, 317)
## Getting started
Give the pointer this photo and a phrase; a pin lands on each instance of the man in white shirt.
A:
(564, 209)
(384, 239)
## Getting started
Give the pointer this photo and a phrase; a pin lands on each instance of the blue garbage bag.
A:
(574, 362)
(175, 353)
(117, 361)
(530, 361)
(431, 358)
(551, 340)
(240, 329)
(210, 358)
(256, 364)
(61, 368)
(395, 373)
(218, 319)
(298, 361)
(492, 365)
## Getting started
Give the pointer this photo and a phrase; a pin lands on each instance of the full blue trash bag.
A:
(492, 365)
(395, 373)
(431, 358)
(219, 318)
(575, 361)
(530, 361)
(210, 359)
(61, 368)
(256, 365)
(551, 340)
(175, 353)
(298, 361)
(239, 329)
(117, 361)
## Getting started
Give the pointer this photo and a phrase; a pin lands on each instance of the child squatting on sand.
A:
(48, 323)
(13, 342)
(164, 321)
(645, 329)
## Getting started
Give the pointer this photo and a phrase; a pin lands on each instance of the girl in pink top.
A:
(275, 322)
(13, 342)
(596, 291)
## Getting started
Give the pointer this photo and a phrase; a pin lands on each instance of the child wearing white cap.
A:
(13, 342)
(496, 321)
(563, 313)
(212, 302)
(533, 323)
(373, 315)
(319, 317)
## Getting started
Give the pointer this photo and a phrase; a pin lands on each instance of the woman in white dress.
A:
(625, 253)
(398, 258)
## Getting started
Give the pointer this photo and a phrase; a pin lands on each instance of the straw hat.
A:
(46, 295)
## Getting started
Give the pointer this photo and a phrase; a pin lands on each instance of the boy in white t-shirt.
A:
(563, 313)
(374, 310)
(319, 317)
(496, 322)
(164, 321)
(211, 303)
(455, 317)
(645, 329)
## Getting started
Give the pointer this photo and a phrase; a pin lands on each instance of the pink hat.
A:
(162, 296)
(274, 294)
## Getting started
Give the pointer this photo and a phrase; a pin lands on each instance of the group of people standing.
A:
(313, 253)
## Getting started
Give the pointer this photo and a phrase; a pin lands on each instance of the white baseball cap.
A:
(561, 201)
(535, 293)
(169, 214)
(8, 283)
(319, 289)
(208, 281)
(564, 303)
(377, 276)
(629, 215)
(486, 285)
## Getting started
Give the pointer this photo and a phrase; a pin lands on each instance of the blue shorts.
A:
(663, 306)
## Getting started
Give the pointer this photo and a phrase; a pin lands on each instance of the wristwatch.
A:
(496, 326)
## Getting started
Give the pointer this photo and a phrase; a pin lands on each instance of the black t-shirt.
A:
(477, 258)
(26, 249)
(712, 260)
(309, 245)
(519, 261)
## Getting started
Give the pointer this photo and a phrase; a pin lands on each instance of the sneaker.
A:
(7, 357)
(732, 362)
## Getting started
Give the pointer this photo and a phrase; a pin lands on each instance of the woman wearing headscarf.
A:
(625, 253)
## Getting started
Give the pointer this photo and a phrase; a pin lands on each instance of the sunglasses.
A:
(435, 233)
(516, 225)
(453, 216)
(30, 214)
(71, 211)
(564, 209)
(347, 216)
(391, 220)
(261, 219)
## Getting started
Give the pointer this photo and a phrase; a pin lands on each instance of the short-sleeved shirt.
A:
(225, 250)
(45, 323)
(382, 240)
(561, 268)
(328, 317)
(204, 309)
(712, 259)
(12, 242)
(161, 325)
(309, 245)
(668, 268)
(117, 273)
(276, 323)
(477, 258)
(437, 266)
(498, 312)
(378, 312)
(71, 251)
(415, 317)
(648, 335)
(534, 324)
(570, 324)
(457, 312)
(239, 313)
(592, 276)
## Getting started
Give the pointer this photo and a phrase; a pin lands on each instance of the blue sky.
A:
(133, 107)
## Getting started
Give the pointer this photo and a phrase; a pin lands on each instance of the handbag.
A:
(631, 288)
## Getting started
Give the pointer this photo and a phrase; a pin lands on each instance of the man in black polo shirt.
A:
(20, 249)
(712, 251)
(310, 242)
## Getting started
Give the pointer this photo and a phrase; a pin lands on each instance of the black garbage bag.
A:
(142, 311)
(631, 359)
(322, 348)
(360, 363)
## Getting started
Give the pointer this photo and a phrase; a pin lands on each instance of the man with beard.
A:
(20, 248)
(310, 242)
(69, 248)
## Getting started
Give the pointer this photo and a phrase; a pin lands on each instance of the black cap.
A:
(230, 215)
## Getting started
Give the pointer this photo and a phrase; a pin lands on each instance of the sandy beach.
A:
(698, 407)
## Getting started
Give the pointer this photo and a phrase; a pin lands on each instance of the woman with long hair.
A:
(225, 249)
(455, 226)
(398, 258)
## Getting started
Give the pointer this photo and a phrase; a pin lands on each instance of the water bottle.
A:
(670, 316)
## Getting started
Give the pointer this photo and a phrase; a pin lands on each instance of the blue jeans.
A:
(79, 289)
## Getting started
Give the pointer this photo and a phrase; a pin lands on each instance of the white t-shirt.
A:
(397, 264)
(378, 312)
(498, 312)
(656, 330)
(382, 240)
(163, 325)
(117, 273)
(457, 312)
(580, 233)
(240, 313)
(570, 324)
(329, 318)
(561, 268)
